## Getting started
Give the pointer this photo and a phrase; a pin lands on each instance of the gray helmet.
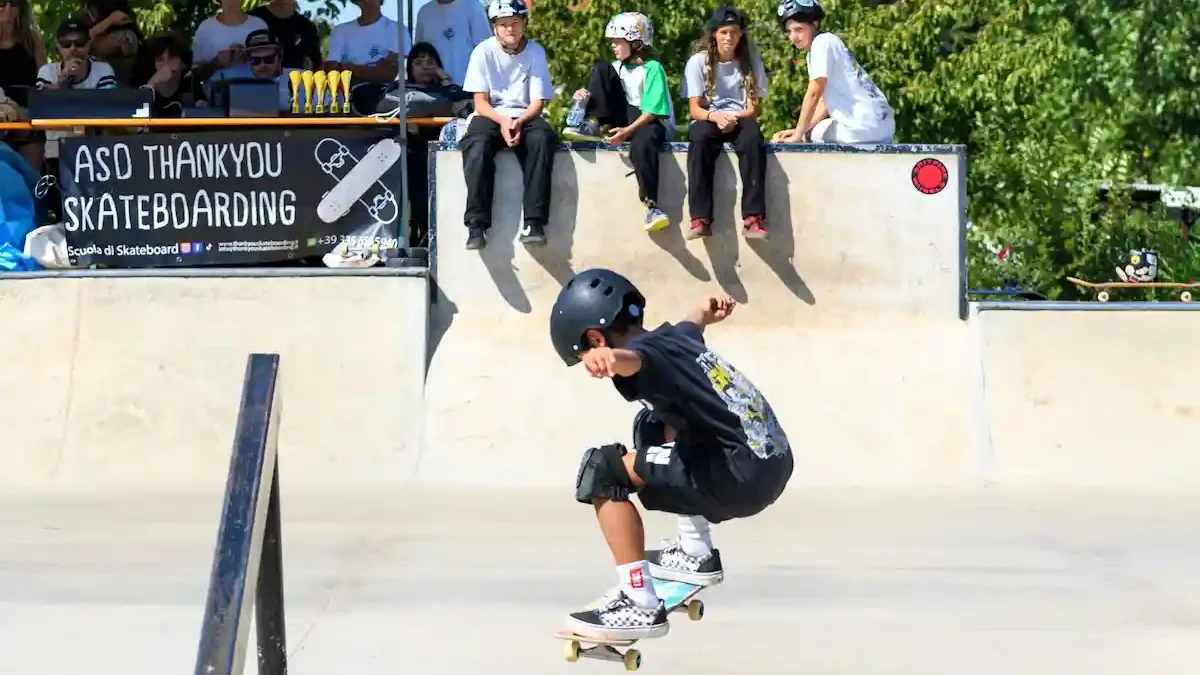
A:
(498, 9)
(804, 10)
(593, 298)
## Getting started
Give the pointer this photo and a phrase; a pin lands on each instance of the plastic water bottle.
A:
(577, 112)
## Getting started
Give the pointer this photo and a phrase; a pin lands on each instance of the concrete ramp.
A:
(1098, 397)
(112, 382)
(850, 318)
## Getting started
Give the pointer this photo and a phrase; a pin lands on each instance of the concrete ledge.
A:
(112, 382)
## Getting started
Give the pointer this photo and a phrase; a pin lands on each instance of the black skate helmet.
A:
(595, 298)
(801, 10)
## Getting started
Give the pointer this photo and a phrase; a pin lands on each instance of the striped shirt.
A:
(100, 76)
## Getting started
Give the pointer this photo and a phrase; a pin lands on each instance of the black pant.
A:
(535, 152)
(705, 147)
(609, 106)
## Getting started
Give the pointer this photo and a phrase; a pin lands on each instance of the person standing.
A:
(454, 28)
(296, 34)
(369, 46)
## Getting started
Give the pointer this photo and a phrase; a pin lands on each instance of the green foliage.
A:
(1051, 98)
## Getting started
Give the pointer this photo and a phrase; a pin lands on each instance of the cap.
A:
(727, 16)
(257, 39)
(73, 26)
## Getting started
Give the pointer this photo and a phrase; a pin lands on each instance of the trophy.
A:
(335, 78)
(294, 77)
(307, 78)
(345, 92)
(319, 80)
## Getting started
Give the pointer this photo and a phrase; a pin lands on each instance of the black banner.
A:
(229, 197)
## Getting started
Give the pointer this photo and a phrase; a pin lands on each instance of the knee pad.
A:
(648, 431)
(602, 475)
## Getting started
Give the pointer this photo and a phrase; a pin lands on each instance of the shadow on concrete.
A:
(499, 255)
(722, 246)
(441, 315)
(779, 252)
(671, 239)
(555, 256)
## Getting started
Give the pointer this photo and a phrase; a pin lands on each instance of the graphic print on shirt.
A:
(764, 435)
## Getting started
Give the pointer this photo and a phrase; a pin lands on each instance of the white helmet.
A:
(498, 9)
(632, 26)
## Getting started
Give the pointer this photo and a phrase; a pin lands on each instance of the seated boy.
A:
(629, 97)
(510, 78)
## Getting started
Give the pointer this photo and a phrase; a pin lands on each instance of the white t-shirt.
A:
(512, 81)
(454, 30)
(364, 45)
(730, 94)
(212, 36)
(852, 98)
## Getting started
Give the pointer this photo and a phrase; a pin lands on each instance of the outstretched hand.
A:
(600, 362)
(717, 307)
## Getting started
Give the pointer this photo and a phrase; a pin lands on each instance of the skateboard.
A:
(1102, 288)
(354, 180)
(675, 594)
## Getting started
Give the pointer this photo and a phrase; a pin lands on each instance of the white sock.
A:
(636, 582)
(694, 536)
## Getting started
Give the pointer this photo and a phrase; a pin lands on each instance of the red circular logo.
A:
(930, 176)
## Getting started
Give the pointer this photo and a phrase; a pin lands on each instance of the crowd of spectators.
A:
(479, 66)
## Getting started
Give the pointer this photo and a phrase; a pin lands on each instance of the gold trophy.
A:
(307, 78)
(345, 92)
(335, 78)
(319, 80)
(294, 77)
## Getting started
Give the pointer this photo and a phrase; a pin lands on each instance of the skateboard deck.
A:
(1102, 288)
(358, 180)
(676, 595)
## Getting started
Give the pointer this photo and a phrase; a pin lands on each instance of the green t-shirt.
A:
(646, 88)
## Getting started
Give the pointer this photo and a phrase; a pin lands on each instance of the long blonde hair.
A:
(743, 54)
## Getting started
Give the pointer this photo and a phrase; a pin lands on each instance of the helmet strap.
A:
(519, 48)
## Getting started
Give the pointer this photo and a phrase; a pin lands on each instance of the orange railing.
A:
(221, 122)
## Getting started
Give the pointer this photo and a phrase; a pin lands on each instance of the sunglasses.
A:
(67, 44)
(263, 60)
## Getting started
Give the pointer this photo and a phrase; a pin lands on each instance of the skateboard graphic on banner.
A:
(358, 181)
(676, 595)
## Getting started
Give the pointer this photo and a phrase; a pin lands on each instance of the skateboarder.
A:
(707, 446)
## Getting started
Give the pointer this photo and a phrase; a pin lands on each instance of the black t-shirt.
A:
(297, 37)
(695, 390)
(189, 93)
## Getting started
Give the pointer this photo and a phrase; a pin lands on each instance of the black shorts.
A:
(719, 483)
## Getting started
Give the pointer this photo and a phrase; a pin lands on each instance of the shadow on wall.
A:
(722, 249)
(555, 256)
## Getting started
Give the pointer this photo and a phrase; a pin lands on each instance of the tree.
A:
(1051, 98)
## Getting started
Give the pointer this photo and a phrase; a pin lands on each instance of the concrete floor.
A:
(827, 582)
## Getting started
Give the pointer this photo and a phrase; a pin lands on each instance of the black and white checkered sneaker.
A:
(671, 563)
(620, 618)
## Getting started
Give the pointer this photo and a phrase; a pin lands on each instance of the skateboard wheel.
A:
(632, 659)
(1102, 296)
(695, 610)
(571, 651)
(1185, 296)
